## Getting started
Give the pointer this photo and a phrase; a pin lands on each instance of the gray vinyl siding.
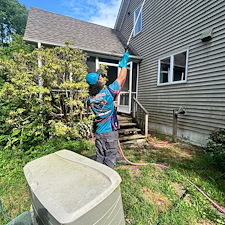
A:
(121, 14)
(169, 26)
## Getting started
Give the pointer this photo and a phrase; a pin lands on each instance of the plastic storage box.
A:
(67, 188)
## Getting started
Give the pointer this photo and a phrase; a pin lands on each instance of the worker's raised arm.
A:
(123, 64)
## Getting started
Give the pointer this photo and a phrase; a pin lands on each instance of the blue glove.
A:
(125, 59)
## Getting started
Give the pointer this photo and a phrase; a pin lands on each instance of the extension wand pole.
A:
(128, 42)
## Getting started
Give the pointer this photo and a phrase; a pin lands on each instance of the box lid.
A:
(68, 185)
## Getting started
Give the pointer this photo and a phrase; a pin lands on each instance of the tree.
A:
(13, 17)
(61, 108)
(15, 46)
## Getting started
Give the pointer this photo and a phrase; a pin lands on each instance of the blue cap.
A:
(92, 78)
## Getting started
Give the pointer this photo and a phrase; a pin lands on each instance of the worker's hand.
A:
(125, 59)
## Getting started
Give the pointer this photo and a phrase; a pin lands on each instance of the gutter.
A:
(91, 51)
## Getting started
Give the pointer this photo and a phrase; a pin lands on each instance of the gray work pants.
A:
(106, 147)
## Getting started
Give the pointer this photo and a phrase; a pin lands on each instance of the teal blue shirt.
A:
(104, 109)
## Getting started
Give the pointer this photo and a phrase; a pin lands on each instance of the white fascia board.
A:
(137, 58)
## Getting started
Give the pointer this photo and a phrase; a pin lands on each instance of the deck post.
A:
(146, 125)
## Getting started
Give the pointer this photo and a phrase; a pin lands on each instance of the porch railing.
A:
(140, 114)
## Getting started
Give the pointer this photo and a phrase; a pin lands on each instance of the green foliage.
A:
(150, 195)
(13, 17)
(104, 69)
(15, 46)
(216, 147)
(162, 186)
(44, 101)
(55, 144)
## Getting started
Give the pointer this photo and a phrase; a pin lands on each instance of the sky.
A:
(102, 12)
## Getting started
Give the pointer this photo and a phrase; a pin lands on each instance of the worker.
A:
(101, 101)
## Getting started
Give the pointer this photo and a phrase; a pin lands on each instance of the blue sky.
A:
(102, 12)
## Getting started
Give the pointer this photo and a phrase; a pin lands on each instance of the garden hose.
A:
(2, 212)
(166, 167)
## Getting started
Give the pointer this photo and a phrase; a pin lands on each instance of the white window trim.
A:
(139, 7)
(170, 78)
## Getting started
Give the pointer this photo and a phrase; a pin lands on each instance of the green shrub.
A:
(55, 144)
(216, 148)
(32, 113)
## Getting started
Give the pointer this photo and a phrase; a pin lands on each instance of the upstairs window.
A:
(137, 20)
(173, 68)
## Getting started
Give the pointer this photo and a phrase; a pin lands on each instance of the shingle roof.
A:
(55, 29)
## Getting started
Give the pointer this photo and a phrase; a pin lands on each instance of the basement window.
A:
(138, 18)
(173, 68)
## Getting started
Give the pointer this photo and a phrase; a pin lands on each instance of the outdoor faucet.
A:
(180, 111)
(176, 112)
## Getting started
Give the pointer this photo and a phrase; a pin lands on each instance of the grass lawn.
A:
(151, 195)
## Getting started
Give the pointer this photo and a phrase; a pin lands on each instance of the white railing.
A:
(140, 114)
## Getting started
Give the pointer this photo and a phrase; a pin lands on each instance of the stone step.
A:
(125, 119)
(129, 124)
(124, 115)
(129, 130)
(131, 137)
(136, 141)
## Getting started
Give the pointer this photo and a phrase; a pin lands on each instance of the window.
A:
(173, 68)
(137, 21)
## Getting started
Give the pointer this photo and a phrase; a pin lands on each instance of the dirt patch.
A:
(181, 191)
(205, 222)
(134, 170)
(175, 152)
(182, 152)
(162, 202)
(124, 167)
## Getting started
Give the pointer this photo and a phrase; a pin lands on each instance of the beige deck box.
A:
(70, 189)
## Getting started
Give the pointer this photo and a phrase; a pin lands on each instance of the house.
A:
(182, 45)
(177, 69)
(102, 44)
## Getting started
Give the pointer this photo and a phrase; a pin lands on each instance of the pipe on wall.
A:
(176, 112)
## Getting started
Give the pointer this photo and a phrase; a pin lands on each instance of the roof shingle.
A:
(55, 29)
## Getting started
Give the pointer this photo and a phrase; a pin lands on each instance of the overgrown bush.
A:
(216, 148)
(43, 95)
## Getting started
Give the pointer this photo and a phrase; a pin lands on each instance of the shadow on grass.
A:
(158, 186)
(189, 160)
